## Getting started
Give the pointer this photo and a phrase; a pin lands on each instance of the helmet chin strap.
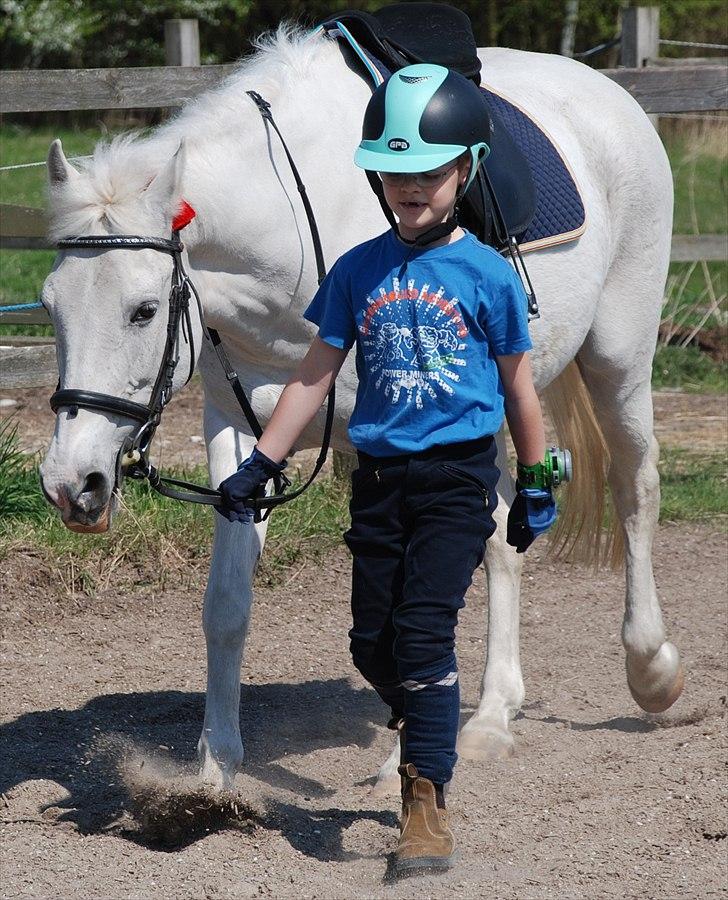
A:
(441, 230)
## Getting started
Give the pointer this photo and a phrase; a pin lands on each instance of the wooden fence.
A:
(658, 89)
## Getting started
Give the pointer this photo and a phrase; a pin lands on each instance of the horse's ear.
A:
(59, 168)
(165, 188)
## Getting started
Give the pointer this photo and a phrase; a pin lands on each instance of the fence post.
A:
(568, 31)
(640, 36)
(182, 42)
(640, 40)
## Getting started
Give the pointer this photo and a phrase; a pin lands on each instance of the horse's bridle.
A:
(133, 457)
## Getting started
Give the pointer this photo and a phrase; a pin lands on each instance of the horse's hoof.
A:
(218, 770)
(656, 684)
(485, 742)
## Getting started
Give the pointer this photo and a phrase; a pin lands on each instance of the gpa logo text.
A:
(398, 144)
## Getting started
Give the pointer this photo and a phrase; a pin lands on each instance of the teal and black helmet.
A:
(421, 118)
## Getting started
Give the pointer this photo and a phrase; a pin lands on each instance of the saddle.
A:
(402, 34)
(405, 33)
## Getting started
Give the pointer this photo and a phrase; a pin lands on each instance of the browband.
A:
(130, 241)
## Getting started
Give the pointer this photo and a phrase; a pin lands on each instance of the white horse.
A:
(250, 255)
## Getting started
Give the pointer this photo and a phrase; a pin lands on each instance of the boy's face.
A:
(422, 202)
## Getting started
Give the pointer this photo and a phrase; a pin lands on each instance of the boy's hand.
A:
(252, 475)
(533, 512)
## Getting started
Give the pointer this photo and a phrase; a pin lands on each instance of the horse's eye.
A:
(144, 313)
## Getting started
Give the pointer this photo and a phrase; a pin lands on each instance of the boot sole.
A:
(422, 865)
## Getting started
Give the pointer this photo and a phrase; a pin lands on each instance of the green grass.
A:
(27, 187)
(694, 486)
(156, 542)
(700, 175)
(158, 539)
(687, 369)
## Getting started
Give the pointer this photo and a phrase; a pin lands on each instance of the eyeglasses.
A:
(421, 179)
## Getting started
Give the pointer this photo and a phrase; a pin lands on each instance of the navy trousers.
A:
(419, 524)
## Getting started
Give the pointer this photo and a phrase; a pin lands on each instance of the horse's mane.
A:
(107, 196)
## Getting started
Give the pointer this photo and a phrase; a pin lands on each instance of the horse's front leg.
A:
(486, 735)
(226, 614)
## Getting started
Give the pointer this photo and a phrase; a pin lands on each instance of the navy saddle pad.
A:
(536, 191)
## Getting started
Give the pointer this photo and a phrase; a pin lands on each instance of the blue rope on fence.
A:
(19, 307)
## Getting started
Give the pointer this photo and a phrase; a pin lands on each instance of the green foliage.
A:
(76, 33)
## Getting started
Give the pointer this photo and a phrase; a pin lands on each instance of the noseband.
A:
(133, 457)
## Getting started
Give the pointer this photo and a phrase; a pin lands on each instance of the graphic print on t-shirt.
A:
(413, 341)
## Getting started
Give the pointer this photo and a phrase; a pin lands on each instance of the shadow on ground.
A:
(80, 749)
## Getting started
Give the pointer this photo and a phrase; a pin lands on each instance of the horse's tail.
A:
(587, 529)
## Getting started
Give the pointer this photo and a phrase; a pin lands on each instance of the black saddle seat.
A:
(404, 33)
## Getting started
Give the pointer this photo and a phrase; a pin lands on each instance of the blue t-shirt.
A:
(427, 325)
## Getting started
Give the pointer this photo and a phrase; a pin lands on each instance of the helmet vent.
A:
(414, 79)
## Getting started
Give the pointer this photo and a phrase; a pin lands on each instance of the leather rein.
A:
(133, 457)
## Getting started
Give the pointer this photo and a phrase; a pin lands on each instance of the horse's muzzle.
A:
(84, 507)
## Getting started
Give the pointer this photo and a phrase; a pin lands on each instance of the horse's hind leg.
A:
(616, 363)
(228, 600)
(487, 734)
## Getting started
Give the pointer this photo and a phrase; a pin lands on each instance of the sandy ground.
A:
(599, 799)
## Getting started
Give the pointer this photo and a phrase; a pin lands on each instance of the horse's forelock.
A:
(107, 194)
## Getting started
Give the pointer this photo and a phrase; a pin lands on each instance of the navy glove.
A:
(248, 482)
(533, 512)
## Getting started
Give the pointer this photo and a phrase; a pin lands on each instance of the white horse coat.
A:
(250, 255)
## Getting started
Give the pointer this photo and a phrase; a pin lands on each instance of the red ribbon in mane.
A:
(184, 216)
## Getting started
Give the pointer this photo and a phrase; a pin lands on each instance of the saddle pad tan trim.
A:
(556, 239)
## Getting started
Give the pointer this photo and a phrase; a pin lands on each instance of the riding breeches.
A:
(419, 524)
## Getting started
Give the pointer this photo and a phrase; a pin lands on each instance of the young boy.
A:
(440, 326)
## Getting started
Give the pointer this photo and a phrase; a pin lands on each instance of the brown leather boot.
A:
(426, 843)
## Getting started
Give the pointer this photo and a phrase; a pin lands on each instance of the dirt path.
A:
(599, 800)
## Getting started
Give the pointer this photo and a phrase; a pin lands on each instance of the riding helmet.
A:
(422, 117)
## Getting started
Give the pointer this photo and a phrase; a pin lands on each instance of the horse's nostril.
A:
(95, 481)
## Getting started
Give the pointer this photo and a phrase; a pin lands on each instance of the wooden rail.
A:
(675, 90)
(140, 87)
(683, 89)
